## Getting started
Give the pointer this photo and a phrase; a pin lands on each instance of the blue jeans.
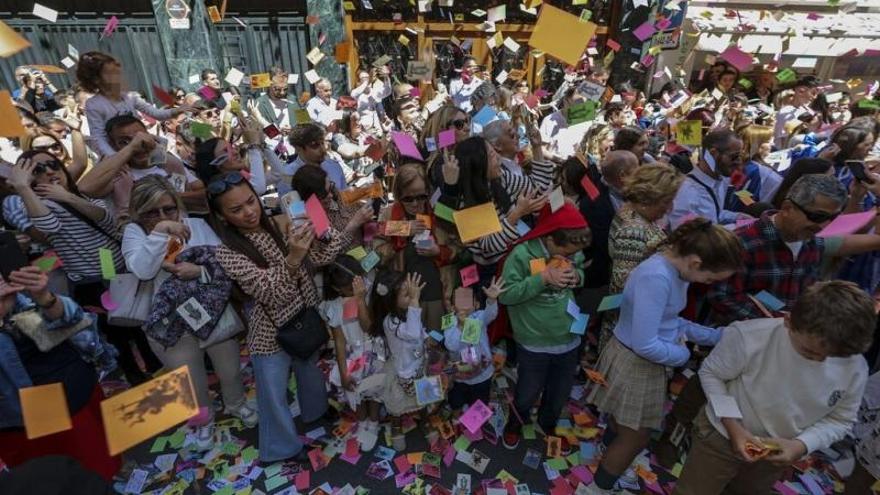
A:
(278, 436)
(552, 374)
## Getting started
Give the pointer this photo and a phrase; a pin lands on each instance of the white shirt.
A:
(779, 392)
(100, 109)
(369, 103)
(321, 111)
(783, 116)
(406, 341)
(461, 92)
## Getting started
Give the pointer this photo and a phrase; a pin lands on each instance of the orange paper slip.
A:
(148, 409)
(476, 222)
(44, 409)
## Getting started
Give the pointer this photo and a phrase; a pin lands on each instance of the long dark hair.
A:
(235, 240)
(71, 183)
(473, 180)
(309, 180)
(204, 156)
(383, 300)
(340, 273)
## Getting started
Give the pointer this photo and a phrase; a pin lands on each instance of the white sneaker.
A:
(246, 412)
(205, 437)
(369, 435)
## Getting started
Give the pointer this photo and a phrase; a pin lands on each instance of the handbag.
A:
(32, 324)
(228, 326)
(302, 335)
(133, 298)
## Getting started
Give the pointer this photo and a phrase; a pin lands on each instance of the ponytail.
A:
(718, 248)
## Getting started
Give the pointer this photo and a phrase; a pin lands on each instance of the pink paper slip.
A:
(476, 415)
(738, 58)
(318, 216)
(350, 309)
(469, 275)
(848, 224)
(644, 31)
(406, 145)
(590, 188)
(303, 480)
(446, 138)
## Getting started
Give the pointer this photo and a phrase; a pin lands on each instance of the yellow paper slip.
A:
(10, 41)
(44, 409)
(148, 409)
(689, 132)
(476, 222)
(561, 35)
(10, 122)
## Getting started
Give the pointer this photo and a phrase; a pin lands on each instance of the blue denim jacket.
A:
(13, 375)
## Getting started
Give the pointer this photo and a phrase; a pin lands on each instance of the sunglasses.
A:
(222, 183)
(815, 216)
(41, 168)
(460, 123)
(166, 211)
(418, 198)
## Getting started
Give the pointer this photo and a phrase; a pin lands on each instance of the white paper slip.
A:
(292, 78)
(557, 199)
(193, 313)
(50, 15)
(725, 406)
(234, 76)
(511, 45)
(194, 79)
(68, 62)
(312, 76)
(72, 51)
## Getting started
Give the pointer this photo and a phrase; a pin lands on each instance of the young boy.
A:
(539, 276)
(796, 382)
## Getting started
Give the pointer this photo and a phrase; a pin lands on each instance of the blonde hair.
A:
(27, 143)
(652, 184)
(146, 194)
(406, 175)
(753, 136)
(592, 140)
(439, 121)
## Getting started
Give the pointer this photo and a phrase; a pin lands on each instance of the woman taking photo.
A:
(158, 216)
(78, 228)
(273, 269)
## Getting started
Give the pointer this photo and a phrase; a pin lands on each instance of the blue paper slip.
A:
(588, 451)
(436, 335)
(769, 300)
(573, 309)
(370, 261)
(522, 228)
(579, 325)
(484, 116)
(610, 302)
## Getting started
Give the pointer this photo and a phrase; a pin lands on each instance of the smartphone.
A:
(857, 167)
(11, 256)
(294, 207)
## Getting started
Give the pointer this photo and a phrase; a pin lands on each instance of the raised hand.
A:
(450, 167)
(495, 289)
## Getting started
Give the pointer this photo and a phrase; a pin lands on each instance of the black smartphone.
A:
(857, 167)
(11, 256)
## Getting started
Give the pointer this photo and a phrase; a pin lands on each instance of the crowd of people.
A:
(322, 229)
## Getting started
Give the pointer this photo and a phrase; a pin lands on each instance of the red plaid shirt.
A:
(768, 264)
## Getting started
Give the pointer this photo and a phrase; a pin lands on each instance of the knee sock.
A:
(604, 479)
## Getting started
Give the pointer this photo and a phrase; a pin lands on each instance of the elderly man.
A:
(783, 257)
(322, 106)
(274, 107)
(502, 136)
(615, 168)
(705, 187)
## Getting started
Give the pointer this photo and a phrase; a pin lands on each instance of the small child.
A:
(395, 305)
(360, 357)
(471, 352)
(780, 388)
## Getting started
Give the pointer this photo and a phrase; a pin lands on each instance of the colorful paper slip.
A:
(141, 412)
(370, 261)
(108, 268)
(470, 334)
(848, 224)
(737, 58)
(770, 301)
(610, 302)
(561, 35)
(163, 95)
(44, 410)
(689, 132)
(10, 123)
(476, 222)
(537, 266)
(10, 43)
(644, 31)
(446, 138)
(590, 188)
(406, 145)
(316, 213)
(469, 275)
(448, 321)
(444, 212)
(350, 309)
(579, 325)
(476, 415)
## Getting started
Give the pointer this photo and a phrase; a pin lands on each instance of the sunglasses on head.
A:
(459, 123)
(815, 216)
(42, 167)
(222, 183)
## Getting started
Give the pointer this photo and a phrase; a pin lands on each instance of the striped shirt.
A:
(488, 250)
(76, 242)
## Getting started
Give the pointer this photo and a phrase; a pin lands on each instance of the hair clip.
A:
(381, 289)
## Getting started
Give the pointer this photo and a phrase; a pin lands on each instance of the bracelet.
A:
(52, 303)
(292, 266)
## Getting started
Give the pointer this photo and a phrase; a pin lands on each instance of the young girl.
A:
(360, 357)
(396, 311)
(649, 337)
(473, 360)
(101, 74)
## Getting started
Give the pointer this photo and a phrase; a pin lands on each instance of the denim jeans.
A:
(550, 374)
(278, 438)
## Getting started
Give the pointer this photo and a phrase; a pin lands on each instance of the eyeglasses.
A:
(180, 96)
(164, 211)
(460, 123)
(41, 168)
(414, 199)
(815, 216)
(222, 183)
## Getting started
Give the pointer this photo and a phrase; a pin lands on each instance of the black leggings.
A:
(89, 294)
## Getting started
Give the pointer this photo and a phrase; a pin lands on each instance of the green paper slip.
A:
(176, 440)
(46, 263)
(275, 482)
(108, 268)
(201, 129)
(448, 321)
(528, 432)
(444, 212)
(461, 444)
(249, 454)
(159, 445)
(470, 334)
(557, 463)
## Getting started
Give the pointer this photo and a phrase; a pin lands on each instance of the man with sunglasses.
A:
(705, 187)
(275, 106)
(783, 256)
